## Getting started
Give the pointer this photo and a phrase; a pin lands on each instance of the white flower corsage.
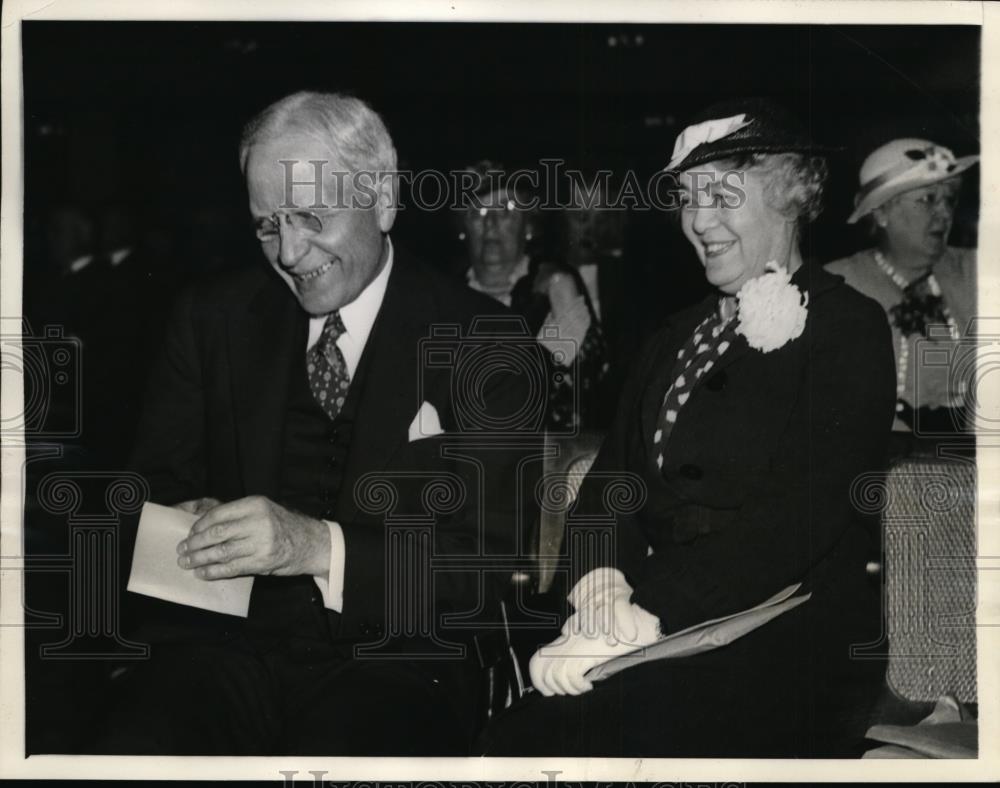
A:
(772, 311)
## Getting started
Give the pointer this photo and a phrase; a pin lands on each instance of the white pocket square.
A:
(426, 423)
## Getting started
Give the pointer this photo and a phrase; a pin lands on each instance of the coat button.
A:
(332, 436)
(717, 382)
(689, 471)
(366, 630)
(331, 461)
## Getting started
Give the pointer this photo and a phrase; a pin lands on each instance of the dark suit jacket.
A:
(755, 492)
(213, 426)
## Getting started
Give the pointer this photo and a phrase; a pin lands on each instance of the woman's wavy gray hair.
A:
(354, 132)
(796, 181)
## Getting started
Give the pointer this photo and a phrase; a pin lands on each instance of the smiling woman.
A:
(743, 212)
(747, 418)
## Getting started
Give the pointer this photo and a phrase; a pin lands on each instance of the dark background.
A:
(151, 112)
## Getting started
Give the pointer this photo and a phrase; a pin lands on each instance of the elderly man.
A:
(305, 410)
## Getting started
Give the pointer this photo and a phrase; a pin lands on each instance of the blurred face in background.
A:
(728, 219)
(68, 235)
(916, 223)
(495, 236)
(327, 259)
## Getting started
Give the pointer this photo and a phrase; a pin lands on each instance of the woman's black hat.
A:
(735, 127)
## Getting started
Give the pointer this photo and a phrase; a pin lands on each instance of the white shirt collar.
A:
(358, 316)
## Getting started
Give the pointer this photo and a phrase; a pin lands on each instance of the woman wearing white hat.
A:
(909, 190)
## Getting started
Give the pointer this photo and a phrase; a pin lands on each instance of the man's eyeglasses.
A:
(308, 222)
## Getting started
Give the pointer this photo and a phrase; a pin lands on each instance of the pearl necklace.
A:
(904, 344)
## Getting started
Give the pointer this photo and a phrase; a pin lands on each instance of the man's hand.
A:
(255, 536)
(198, 506)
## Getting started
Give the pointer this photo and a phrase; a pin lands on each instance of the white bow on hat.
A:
(702, 133)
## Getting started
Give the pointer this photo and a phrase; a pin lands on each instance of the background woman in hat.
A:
(498, 231)
(909, 190)
(747, 418)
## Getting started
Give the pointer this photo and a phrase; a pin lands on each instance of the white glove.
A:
(605, 625)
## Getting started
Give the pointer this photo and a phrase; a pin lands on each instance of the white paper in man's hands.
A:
(155, 571)
(706, 635)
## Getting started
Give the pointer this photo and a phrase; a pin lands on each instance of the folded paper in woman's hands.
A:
(706, 635)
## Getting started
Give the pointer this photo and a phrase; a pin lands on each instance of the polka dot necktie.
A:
(704, 347)
(328, 375)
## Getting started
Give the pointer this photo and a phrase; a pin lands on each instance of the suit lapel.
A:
(262, 344)
(392, 386)
(739, 347)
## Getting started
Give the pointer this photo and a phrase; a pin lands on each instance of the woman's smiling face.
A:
(731, 224)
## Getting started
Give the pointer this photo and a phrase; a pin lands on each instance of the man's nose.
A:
(293, 245)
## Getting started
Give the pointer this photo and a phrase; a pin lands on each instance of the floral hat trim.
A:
(934, 161)
(922, 166)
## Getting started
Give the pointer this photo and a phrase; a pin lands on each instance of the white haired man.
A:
(282, 396)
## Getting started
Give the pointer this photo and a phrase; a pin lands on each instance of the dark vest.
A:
(314, 453)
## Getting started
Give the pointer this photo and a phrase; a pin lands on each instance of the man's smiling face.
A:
(326, 268)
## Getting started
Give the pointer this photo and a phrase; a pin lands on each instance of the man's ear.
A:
(386, 206)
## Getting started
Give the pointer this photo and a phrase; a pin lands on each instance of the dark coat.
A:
(755, 492)
(755, 495)
(213, 424)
